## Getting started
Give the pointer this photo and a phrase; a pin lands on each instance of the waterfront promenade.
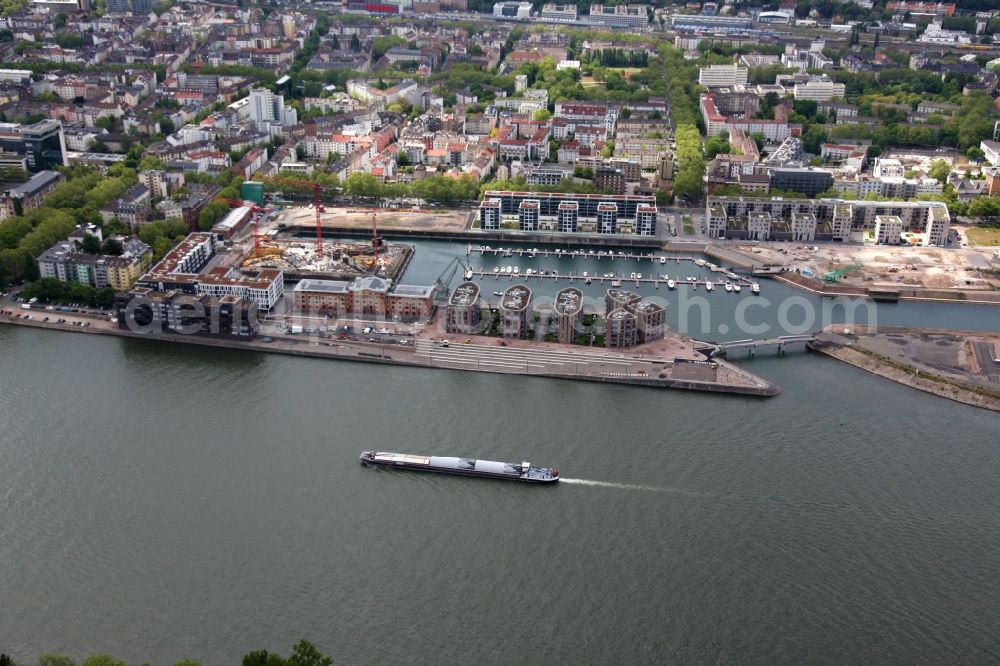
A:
(635, 367)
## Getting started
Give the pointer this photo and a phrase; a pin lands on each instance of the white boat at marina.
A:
(496, 269)
(663, 260)
(737, 287)
(638, 276)
(517, 270)
(498, 293)
(671, 284)
(632, 276)
(709, 286)
(729, 286)
(700, 262)
(755, 288)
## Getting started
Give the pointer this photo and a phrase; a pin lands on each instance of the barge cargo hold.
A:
(523, 471)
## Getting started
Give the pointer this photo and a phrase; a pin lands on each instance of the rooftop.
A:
(516, 298)
(647, 307)
(465, 294)
(569, 301)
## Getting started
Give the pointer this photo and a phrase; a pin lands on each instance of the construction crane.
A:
(835, 275)
(442, 284)
(377, 241)
(318, 205)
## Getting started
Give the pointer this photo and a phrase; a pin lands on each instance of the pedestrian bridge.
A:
(721, 348)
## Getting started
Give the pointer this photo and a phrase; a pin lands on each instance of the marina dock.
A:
(615, 279)
(612, 278)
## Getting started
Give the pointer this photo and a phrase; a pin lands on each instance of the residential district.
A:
(265, 174)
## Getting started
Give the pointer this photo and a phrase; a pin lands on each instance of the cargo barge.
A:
(523, 471)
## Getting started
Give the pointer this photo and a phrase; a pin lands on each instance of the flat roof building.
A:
(515, 311)
(836, 219)
(464, 310)
(723, 75)
(568, 310)
(146, 310)
(365, 297)
(651, 321)
(619, 16)
(619, 298)
(184, 268)
(888, 230)
(620, 329)
(569, 212)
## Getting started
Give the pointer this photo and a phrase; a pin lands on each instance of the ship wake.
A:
(623, 486)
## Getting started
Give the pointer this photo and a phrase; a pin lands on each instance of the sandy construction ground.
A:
(387, 218)
(931, 267)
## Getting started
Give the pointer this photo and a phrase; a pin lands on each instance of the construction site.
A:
(308, 254)
(936, 268)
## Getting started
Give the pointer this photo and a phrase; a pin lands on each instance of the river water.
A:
(161, 502)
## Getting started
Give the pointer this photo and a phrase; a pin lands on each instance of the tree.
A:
(717, 145)
(102, 660)
(355, 42)
(264, 658)
(305, 654)
(113, 247)
(541, 115)
(90, 244)
(212, 213)
(106, 122)
(151, 162)
(52, 659)
(984, 207)
(939, 170)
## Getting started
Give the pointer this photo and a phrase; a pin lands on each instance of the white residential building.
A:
(819, 90)
(723, 75)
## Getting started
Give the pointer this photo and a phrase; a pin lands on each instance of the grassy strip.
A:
(922, 374)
